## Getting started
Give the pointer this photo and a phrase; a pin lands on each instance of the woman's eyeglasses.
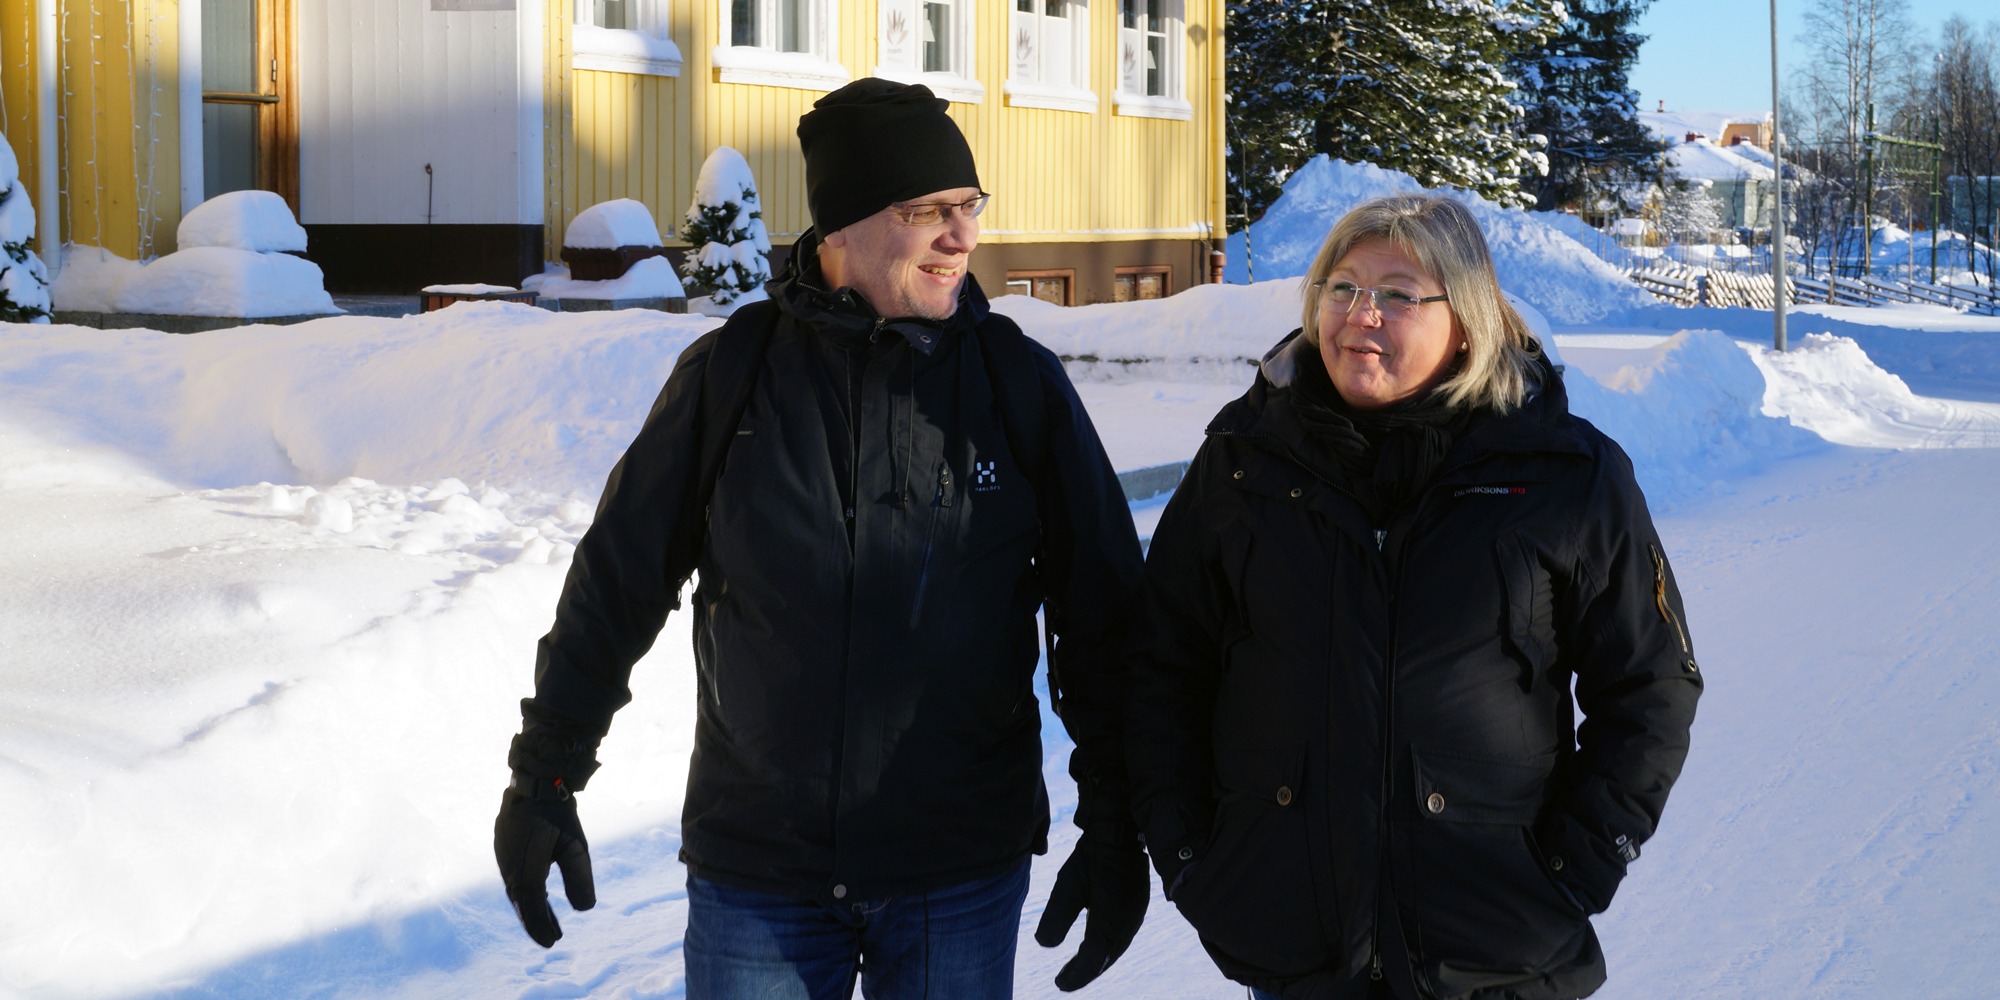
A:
(1389, 303)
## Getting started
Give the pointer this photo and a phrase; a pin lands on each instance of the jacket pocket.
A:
(1254, 894)
(940, 506)
(1529, 606)
(1482, 896)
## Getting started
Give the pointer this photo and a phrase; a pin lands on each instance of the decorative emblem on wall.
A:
(1024, 46)
(899, 29)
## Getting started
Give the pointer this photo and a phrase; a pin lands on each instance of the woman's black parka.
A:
(1352, 743)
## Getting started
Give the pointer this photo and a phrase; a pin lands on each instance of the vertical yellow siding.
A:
(119, 122)
(1061, 176)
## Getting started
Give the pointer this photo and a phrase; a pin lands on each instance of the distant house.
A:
(425, 141)
(1741, 186)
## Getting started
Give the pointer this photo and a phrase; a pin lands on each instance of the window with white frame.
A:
(1151, 58)
(784, 43)
(930, 42)
(1049, 53)
(624, 36)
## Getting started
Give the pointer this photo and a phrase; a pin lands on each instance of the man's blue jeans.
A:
(955, 943)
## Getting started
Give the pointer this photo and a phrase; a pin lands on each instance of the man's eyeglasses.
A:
(1390, 303)
(931, 213)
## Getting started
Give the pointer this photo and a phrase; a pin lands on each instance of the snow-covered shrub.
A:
(725, 233)
(24, 282)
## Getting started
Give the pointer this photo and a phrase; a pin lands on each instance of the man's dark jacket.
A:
(1352, 741)
(864, 622)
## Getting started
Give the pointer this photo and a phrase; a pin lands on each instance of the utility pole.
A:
(1778, 203)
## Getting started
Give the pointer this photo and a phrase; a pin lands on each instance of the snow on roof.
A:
(257, 221)
(1704, 160)
(608, 225)
(1675, 125)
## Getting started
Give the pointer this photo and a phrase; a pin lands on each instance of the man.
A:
(910, 478)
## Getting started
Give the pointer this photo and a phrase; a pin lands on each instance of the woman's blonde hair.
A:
(1501, 365)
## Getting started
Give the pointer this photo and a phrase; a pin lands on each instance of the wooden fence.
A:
(1687, 286)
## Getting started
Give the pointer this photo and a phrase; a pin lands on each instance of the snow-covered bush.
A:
(24, 282)
(725, 233)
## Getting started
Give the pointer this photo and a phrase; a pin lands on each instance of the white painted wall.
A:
(387, 86)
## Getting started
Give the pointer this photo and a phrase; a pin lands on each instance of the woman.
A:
(1352, 739)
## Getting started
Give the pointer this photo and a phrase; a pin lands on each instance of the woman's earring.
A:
(1462, 346)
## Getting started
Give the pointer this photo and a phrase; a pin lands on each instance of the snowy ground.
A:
(254, 706)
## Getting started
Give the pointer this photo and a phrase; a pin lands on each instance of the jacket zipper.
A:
(1660, 598)
(938, 505)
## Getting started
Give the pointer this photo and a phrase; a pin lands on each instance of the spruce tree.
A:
(724, 227)
(1574, 92)
(1419, 86)
(24, 282)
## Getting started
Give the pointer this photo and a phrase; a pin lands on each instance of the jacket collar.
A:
(800, 291)
(1540, 424)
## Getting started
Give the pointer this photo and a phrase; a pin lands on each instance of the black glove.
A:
(1113, 882)
(537, 827)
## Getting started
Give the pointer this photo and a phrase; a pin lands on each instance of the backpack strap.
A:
(1016, 377)
(726, 384)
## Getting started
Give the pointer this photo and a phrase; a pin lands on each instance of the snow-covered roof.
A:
(1702, 159)
(1675, 125)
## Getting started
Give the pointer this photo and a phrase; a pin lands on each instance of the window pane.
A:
(937, 37)
(1152, 286)
(613, 14)
(743, 22)
(1154, 20)
(1129, 10)
(229, 46)
(1057, 8)
(1025, 6)
(1124, 288)
(228, 148)
(1156, 65)
(1055, 290)
(794, 26)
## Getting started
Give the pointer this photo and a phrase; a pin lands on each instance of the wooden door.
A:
(249, 110)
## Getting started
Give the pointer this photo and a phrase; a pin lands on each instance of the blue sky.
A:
(1715, 55)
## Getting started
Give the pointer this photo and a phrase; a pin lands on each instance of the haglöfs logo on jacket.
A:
(985, 478)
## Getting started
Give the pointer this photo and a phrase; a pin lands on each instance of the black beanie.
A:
(873, 142)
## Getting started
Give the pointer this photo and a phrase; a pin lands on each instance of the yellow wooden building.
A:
(422, 141)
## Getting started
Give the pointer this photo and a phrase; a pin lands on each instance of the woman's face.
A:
(1378, 355)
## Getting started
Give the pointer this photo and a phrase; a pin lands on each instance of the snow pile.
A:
(1691, 412)
(1827, 385)
(1547, 268)
(257, 221)
(485, 391)
(608, 225)
(235, 259)
(647, 278)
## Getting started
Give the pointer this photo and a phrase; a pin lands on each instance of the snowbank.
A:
(257, 221)
(1547, 268)
(608, 225)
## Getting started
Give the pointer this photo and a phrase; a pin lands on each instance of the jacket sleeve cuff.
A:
(1582, 863)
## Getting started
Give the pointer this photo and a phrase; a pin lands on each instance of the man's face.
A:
(902, 270)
